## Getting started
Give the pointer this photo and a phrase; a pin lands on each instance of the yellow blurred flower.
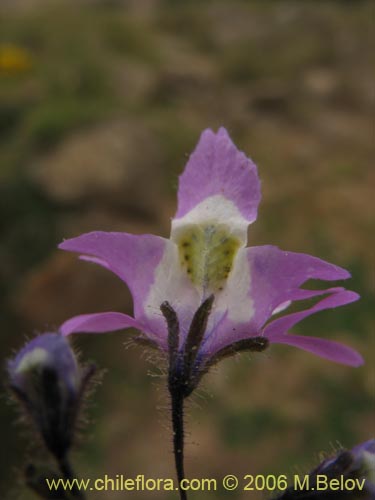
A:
(14, 60)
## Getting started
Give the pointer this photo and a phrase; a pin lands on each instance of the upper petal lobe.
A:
(217, 167)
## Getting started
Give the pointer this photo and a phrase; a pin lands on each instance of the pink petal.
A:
(281, 325)
(276, 277)
(133, 258)
(328, 349)
(276, 331)
(217, 167)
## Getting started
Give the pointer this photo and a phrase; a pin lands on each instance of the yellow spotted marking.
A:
(207, 252)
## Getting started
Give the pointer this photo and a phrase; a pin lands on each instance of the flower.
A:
(350, 475)
(47, 379)
(202, 295)
(205, 266)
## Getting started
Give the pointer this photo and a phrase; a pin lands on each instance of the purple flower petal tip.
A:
(328, 349)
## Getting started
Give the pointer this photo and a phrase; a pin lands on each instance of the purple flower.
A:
(206, 264)
(202, 295)
(49, 383)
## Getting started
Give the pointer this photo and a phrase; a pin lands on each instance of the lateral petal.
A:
(98, 323)
(276, 277)
(328, 349)
(133, 258)
(276, 331)
(335, 299)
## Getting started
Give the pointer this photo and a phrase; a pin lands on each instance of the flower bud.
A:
(364, 462)
(353, 469)
(47, 379)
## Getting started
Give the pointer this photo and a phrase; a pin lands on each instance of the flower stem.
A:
(177, 391)
(177, 399)
(68, 473)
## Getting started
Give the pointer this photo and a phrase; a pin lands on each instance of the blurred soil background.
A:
(100, 104)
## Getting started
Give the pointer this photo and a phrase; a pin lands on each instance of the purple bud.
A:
(47, 379)
(364, 461)
(353, 469)
(358, 463)
(49, 351)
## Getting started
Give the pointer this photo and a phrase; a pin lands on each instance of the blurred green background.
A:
(100, 102)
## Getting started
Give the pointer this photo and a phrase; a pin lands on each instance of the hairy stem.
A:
(177, 399)
(177, 391)
(68, 473)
